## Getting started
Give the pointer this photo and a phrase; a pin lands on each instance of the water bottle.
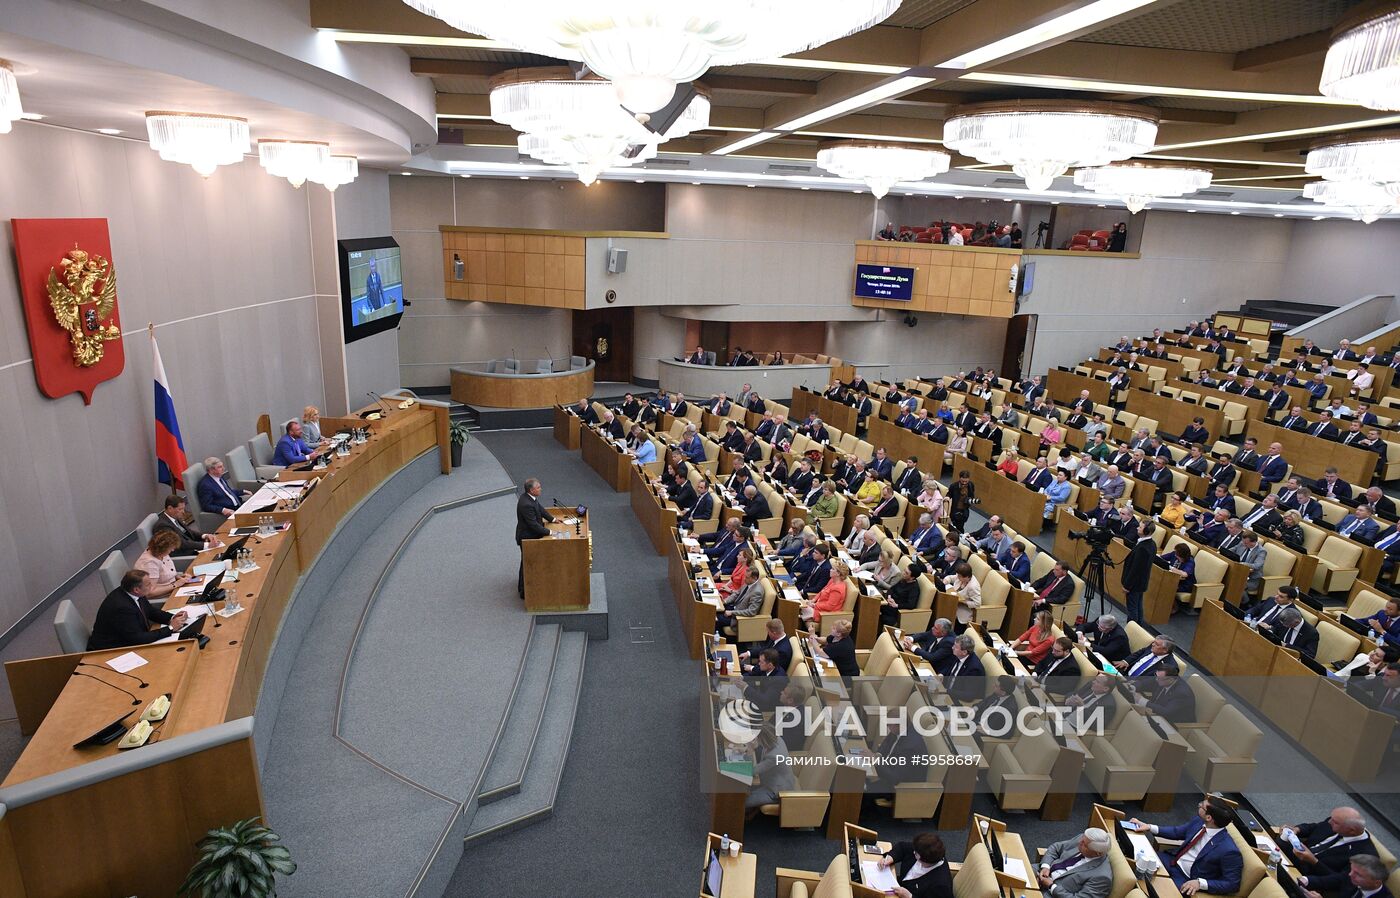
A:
(1275, 856)
(1371, 632)
(724, 844)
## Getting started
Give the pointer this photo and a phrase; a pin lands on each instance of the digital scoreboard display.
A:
(885, 282)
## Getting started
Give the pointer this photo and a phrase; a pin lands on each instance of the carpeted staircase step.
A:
(525, 712)
(535, 798)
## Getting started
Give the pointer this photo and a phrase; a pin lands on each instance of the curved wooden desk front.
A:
(484, 388)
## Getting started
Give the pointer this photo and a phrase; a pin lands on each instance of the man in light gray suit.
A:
(1078, 868)
(1252, 553)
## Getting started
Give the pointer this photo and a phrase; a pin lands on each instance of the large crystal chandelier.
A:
(1042, 139)
(646, 47)
(1138, 183)
(1370, 157)
(1368, 201)
(295, 160)
(881, 166)
(10, 109)
(1363, 62)
(337, 171)
(201, 141)
(578, 122)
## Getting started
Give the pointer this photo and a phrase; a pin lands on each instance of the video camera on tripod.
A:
(1098, 537)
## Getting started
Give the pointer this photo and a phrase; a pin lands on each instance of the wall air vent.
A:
(666, 163)
(779, 168)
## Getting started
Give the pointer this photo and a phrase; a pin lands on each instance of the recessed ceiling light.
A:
(855, 191)
(750, 185)
(406, 174)
(31, 116)
(524, 177)
(1190, 210)
(1234, 213)
(1102, 206)
(466, 176)
(806, 188)
(957, 197)
(641, 180)
(1319, 217)
(108, 131)
(1278, 215)
(697, 184)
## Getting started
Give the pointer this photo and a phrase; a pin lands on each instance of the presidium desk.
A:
(79, 822)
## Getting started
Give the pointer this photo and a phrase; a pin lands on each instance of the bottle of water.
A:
(1275, 856)
(724, 844)
(1371, 632)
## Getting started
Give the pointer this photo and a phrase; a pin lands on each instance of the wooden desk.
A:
(1019, 506)
(482, 388)
(1310, 456)
(1174, 415)
(900, 443)
(217, 685)
(657, 518)
(566, 428)
(740, 873)
(1065, 386)
(611, 463)
(833, 413)
(557, 567)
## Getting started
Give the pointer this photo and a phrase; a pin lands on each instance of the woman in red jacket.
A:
(833, 595)
(1035, 643)
(738, 579)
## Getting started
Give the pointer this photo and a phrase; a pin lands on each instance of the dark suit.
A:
(216, 494)
(1176, 703)
(1304, 639)
(936, 883)
(1218, 862)
(530, 518)
(1057, 675)
(1059, 594)
(756, 509)
(970, 681)
(766, 689)
(937, 652)
(1329, 874)
(842, 653)
(191, 540)
(1113, 645)
(124, 620)
(1137, 570)
(701, 507)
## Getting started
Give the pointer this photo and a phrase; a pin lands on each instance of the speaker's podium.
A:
(557, 566)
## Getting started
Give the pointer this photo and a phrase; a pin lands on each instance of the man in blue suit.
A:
(882, 464)
(1208, 859)
(702, 510)
(1359, 525)
(1272, 467)
(926, 539)
(215, 493)
(291, 448)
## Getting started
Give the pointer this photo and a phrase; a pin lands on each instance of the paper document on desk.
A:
(194, 612)
(874, 876)
(124, 663)
(691, 542)
(185, 592)
(697, 558)
(1140, 843)
(210, 569)
(1014, 866)
(865, 575)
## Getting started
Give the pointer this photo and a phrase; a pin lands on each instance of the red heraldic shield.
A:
(68, 285)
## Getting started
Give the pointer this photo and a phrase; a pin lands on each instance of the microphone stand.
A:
(143, 683)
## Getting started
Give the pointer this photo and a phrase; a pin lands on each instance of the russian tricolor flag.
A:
(170, 449)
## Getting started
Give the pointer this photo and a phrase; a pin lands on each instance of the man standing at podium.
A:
(530, 518)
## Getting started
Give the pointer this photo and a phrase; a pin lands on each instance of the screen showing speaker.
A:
(885, 282)
(371, 286)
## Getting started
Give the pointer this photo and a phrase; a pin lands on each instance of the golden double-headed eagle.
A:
(84, 299)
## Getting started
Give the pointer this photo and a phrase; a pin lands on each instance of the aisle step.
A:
(540, 783)
(526, 711)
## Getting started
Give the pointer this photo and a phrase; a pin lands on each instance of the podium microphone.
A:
(143, 683)
(380, 401)
(134, 700)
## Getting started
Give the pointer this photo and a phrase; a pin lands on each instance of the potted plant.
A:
(238, 861)
(458, 435)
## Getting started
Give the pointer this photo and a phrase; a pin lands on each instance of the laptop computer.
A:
(231, 551)
(195, 630)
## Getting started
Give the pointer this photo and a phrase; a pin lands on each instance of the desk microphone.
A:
(104, 667)
(284, 495)
(380, 401)
(134, 699)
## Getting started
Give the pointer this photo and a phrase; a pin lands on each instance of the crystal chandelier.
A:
(646, 47)
(578, 122)
(295, 160)
(1368, 201)
(1042, 139)
(201, 141)
(1138, 183)
(1372, 157)
(881, 166)
(1363, 62)
(10, 109)
(337, 170)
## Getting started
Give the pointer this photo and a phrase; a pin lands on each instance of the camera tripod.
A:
(1091, 572)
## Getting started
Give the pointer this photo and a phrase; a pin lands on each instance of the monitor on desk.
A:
(713, 877)
(1125, 844)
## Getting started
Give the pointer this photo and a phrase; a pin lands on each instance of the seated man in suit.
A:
(815, 579)
(292, 449)
(701, 504)
(1359, 525)
(1366, 878)
(964, 678)
(995, 715)
(1106, 637)
(755, 506)
(215, 492)
(927, 538)
(125, 617)
(1141, 663)
(777, 640)
(1293, 632)
(175, 517)
(1078, 868)
(1058, 672)
(882, 465)
(583, 409)
(1248, 456)
(698, 357)
(1328, 848)
(1272, 467)
(611, 426)
(934, 645)
(1171, 699)
(765, 685)
(1098, 695)
(1056, 587)
(1208, 860)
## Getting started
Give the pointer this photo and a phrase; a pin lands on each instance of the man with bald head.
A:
(1327, 848)
(1077, 868)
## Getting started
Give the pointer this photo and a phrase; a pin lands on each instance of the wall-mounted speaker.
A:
(617, 260)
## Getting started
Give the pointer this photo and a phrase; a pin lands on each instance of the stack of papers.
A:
(127, 662)
(697, 558)
(1014, 866)
(881, 879)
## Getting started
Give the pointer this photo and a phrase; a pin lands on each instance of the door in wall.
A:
(714, 336)
(1020, 335)
(605, 336)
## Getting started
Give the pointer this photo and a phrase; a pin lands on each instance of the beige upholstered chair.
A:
(1138, 637)
(977, 877)
(1121, 766)
(1335, 643)
(918, 799)
(1363, 603)
(1019, 773)
(1336, 565)
(992, 611)
(805, 806)
(772, 526)
(1222, 756)
(834, 883)
(1208, 703)
(754, 628)
(1278, 568)
(1210, 578)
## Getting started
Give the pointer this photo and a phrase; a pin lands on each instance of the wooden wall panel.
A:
(957, 280)
(518, 267)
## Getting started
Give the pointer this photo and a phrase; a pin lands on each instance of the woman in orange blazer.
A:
(833, 595)
(738, 579)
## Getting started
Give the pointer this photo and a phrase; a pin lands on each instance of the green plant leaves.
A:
(238, 861)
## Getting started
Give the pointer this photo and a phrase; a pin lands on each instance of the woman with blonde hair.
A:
(159, 566)
(886, 571)
(833, 595)
(739, 577)
(311, 425)
(932, 498)
(1010, 464)
(1035, 643)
